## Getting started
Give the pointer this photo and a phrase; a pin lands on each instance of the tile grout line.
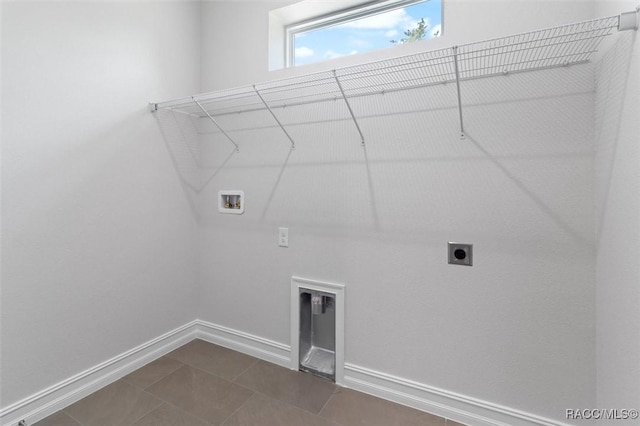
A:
(150, 411)
(288, 403)
(327, 402)
(253, 393)
(210, 374)
(233, 381)
(244, 371)
(70, 416)
(175, 406)
(163, 377)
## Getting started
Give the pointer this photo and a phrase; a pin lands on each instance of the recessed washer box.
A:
(231, 201)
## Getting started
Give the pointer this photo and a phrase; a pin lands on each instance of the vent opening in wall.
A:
(317, 349)
(317, 328)
(231, 201)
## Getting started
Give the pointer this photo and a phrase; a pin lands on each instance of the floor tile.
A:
(57, 419)
(213, 359)
(166, 415)
(202, 394)
(352, 408)
(296, 388)
(264, 411)
(116, 404)
(152, 372)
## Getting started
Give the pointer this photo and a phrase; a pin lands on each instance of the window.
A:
(373, 26)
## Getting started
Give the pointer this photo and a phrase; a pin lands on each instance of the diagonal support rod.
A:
(216, 123)
(293, 144)
(455, 64)
(346, 101)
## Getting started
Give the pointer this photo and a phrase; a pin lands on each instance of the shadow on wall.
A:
(543, 206)
(184, 142)
(612, 75)
(276, 184)
(530, 132)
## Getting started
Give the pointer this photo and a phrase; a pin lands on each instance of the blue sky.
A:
(371, 33)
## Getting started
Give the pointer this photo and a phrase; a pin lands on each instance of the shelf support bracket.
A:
(629, 20)
(455, 64)
(216, 123)
(346, 101)
(293, 144)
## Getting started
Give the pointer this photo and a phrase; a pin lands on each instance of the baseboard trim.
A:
(259, 347)
(457, 407)
(54, 398)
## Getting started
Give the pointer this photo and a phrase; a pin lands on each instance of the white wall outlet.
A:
(283, 237)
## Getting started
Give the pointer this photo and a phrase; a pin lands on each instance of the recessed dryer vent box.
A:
(231, 201)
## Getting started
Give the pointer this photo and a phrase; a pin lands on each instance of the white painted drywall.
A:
(618, 218)
(518, 328)
(98, 251)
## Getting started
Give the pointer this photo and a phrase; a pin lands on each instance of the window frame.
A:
(342, 16)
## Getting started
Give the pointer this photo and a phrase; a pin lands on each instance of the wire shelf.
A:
(546, 48)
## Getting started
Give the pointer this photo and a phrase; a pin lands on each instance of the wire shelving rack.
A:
(546, 48)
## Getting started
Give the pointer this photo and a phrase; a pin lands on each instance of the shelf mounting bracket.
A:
(455, 64)
(346, 101)
(629, 20)
(213, 120)
(293, 144)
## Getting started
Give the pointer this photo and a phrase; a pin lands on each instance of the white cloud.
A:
(383, 21)
(359, 43)
(391, 33)
(330, 54)
(304, 52)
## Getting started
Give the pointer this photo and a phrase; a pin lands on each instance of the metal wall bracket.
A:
(216, 123)
(457, 71)
(629, 20)
(346, 101)
(293, 144)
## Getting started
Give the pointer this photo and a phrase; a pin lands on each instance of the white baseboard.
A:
(54, 398)
(443, 403)
(460, 408)
(265, 349)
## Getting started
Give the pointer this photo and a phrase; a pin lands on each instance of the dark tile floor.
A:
(202, 384)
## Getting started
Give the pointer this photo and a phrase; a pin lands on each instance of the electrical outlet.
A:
(283, 237)
(460, 254)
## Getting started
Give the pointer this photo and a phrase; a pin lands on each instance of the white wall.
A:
(618, 218)
(518, 328)
(98, 235)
